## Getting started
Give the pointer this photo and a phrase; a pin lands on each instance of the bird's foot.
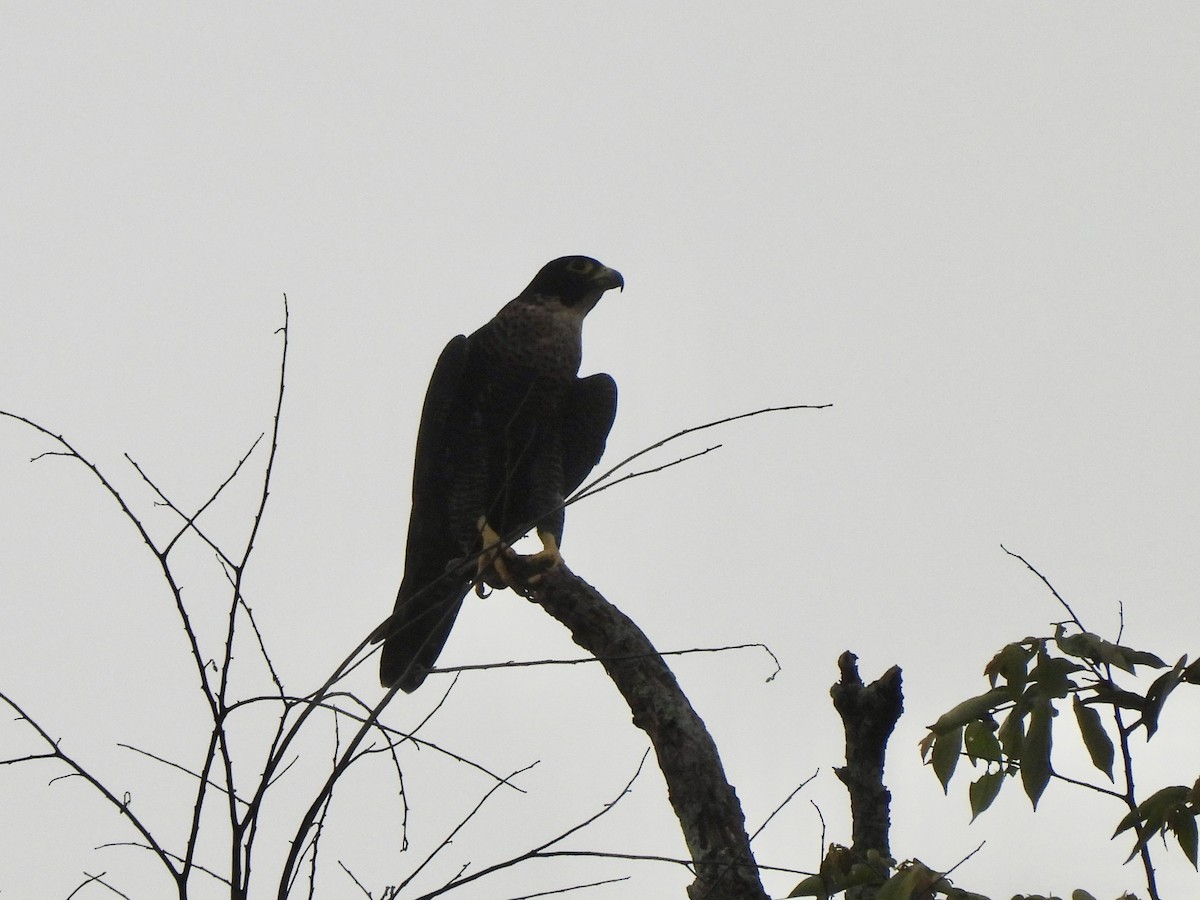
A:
(492, 564)
(498, 566)
(537, 565)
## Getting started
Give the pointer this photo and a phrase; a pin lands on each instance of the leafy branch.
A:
(1008, 731)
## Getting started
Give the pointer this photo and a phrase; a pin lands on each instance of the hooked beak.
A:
(606, 279)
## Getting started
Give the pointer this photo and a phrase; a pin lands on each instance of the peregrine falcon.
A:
(508, 431)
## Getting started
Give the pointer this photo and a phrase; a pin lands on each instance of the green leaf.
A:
(1012, 663)
(1107, 692)
(1050, 677)
(1086, 645)
(971, 710)
(1161, 801)
(862, 873)
(1127, 822)
(983, 791)
(900, 886)
(1158, 693)
(1142, 658)
(979, 740)
(1155, 812)
(812, 886)
(1183, 825)
(1080, 894)
(1012, 733)
(946, 750)
(1095, 738)
(1035, 754)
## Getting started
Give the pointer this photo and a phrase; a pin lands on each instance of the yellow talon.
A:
(490, 567)
(548, 552)
(545, 560)
(497, 564)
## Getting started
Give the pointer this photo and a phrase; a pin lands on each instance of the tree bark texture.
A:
(709, 813)
(868, 715)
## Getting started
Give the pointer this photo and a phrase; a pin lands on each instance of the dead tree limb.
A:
(868, 714)
(709, 813)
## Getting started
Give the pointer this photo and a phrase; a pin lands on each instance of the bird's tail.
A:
(413, 636)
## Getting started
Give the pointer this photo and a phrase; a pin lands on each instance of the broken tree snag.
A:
(705, 803)
(868, 714)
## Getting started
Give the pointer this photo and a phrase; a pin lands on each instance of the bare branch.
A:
(574, 887)
(448, 839)
(362, 887)
(869, 714)
(580, 495)
(175, 765)
(77, 769)
(262, 647)
(199, 868)
(348, 757)
(537, 852)
(821, 819)
(786, 801)
(709, 814)
(97, 879)
(1046, 582)
(950, 870)
(588, 488)
(270, 467)
(519, 664)
(395, 736)
(649, 857)
(159, 555)
(190, 521)
(1098, 788)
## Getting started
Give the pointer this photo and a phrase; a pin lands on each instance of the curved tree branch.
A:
(706, 805)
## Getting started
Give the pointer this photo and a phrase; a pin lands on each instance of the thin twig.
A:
(649, 857)
(174, 856)
(395, 735)
(574, 887)
(190, 521)
(1132, 803)
(692, 430)
(598, 484)
(1046, 582)
(786, 801)
(362, 887)
(580, 495)
(70, 452)
(121, 805)
(964, 859)
(262, 647)
(449, 838)
(539, 851)
(97, 879)
(175, 765)
(348, 757)
(821, 817)
(240, 848)
(519, 664)
(1099, 789)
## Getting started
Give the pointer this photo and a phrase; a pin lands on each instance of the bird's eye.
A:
(580, 266)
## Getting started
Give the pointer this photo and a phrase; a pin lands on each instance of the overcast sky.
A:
(971, 228)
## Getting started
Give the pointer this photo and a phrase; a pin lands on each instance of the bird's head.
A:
(576, 282)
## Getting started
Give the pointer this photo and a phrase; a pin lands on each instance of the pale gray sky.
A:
(971, 228)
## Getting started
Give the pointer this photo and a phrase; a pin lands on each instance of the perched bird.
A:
(508, 431)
